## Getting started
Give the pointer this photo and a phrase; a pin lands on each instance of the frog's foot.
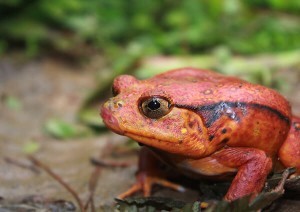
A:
(145, 182)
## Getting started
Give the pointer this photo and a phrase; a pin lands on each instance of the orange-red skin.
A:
(217, 125)
(289, 152)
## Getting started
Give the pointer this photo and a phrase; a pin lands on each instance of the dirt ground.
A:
(48, 88)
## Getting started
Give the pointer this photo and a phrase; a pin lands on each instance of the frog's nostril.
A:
(120, 104)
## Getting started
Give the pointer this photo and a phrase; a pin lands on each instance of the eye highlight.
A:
(155, 107)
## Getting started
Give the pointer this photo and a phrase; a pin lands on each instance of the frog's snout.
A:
(108, 118)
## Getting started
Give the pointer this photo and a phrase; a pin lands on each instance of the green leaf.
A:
(31, 147)
(13, 102)
(241, 204)
(64, 130)
(159, 203)
(194, 207)
(60, 129)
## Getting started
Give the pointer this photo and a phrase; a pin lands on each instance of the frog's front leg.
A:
(253, 168)
(149, 174)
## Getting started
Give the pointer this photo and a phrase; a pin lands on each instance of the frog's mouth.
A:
(152, 142)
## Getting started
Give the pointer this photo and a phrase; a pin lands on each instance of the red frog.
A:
(203, 123)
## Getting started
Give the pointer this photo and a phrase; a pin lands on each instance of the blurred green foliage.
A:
(167, 26)
(31, 147)
(61, 129)
(13, 103)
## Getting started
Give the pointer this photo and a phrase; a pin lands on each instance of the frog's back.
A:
(235, 112)
(199, 88)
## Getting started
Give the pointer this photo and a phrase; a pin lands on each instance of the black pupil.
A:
(154, 104)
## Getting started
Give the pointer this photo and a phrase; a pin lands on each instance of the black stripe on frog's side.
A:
(226, 108)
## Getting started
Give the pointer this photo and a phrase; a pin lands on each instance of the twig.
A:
(103, 163)
(58, 179)
(20, 164)
(99, 163)
(92, 187)
(280, 186)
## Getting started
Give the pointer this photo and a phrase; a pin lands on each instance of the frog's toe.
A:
(144, 183)
(168, 184)
(135, 188)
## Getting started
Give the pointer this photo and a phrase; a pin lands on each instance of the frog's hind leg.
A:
(289, 152)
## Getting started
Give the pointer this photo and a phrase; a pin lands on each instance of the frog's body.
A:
(208, 124)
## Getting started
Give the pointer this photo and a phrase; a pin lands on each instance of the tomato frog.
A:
(204, 124)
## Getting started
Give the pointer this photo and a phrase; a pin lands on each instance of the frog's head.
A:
(147, 111)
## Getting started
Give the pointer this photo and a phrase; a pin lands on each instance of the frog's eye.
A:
(155, 107)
